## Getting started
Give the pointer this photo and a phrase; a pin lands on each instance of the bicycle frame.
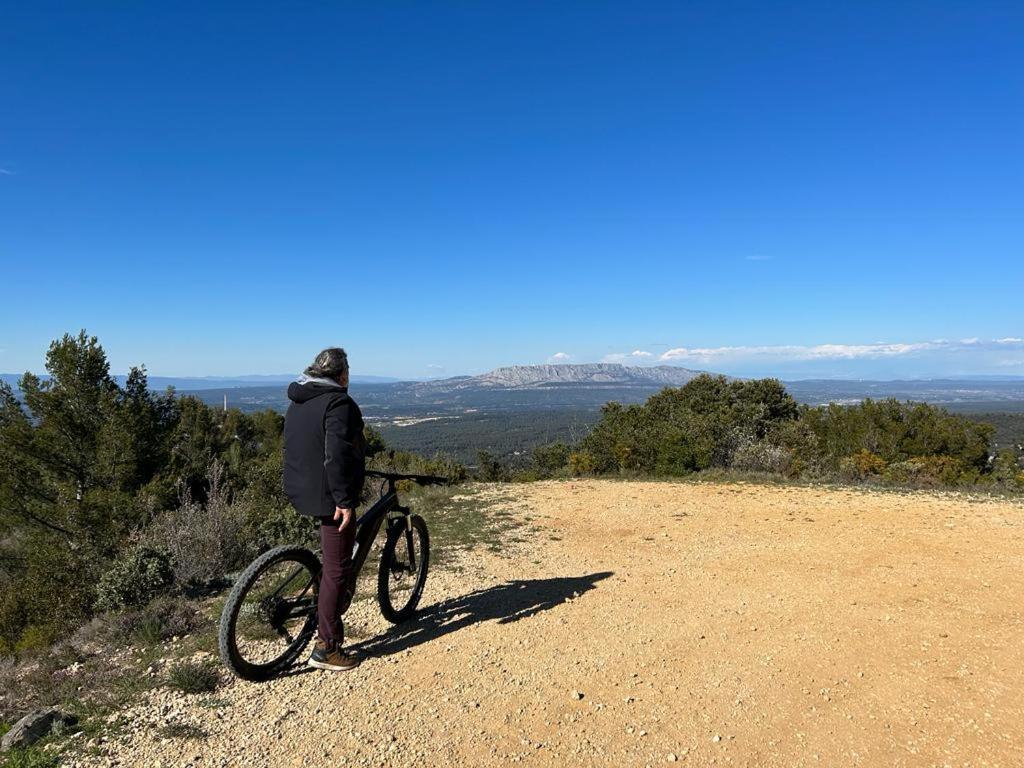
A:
(367, 528)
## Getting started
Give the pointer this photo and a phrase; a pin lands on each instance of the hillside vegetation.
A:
(112, 495)
(756, 426)
(121, 507)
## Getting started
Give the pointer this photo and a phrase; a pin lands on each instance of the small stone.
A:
(716, 738)
(671, 757)
(577, 695)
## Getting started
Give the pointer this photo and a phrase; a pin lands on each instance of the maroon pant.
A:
(334, 592)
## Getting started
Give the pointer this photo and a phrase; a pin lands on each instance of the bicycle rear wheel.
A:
(270, 614)
(403, 569)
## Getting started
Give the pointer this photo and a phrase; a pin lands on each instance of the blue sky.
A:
(793, 189)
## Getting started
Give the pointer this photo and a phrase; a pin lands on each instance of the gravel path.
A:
(645, 623)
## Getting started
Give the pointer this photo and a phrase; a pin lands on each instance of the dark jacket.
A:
(324, 448)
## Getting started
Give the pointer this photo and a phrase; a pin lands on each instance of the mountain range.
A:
(198, 383)
(539, 376)
(584, 386)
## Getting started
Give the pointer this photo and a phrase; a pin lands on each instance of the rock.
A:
(671, 757)
(34, 726)
(578, 695)
(716, 738)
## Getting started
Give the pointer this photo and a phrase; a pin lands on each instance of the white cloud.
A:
(559, 357)
(6, 172)
(826, 351)
(622, 357)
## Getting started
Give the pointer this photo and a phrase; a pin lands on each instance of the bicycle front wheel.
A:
(403, 569)
(270, 614)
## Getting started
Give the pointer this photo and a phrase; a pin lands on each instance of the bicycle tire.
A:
(418, 529)
(226, 636)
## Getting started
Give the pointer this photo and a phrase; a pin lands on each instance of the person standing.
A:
(324, 469)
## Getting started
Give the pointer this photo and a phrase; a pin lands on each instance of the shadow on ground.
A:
(504, 603)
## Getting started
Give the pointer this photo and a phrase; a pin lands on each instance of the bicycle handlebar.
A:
(419, 479)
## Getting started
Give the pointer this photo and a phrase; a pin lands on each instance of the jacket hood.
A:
(308, 387)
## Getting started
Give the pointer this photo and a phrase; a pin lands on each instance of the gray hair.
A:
(329, 364)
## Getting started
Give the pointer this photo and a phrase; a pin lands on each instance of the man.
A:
(324, 466)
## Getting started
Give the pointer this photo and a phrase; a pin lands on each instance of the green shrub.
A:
(551, 459)
(761, 456)
(134, 578)
(675, 456)
(488, 468)
(893, 431)
(30, 757)
(193, 677)
(36, 637)
(206, 540)
(268, 526)
(929, 472)
(690, 428)
(865, 464)
(1006, 469)
(163, 618)
(581, 463)
(440, 464)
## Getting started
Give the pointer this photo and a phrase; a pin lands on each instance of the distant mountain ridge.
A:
(589, 373)
(585, 374)
(199, 383)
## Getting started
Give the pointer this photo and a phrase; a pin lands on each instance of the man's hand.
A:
(345, 515)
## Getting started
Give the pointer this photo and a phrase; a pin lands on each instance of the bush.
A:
(691, 428)
(49, 590)
(205, 540)
(761, 456)
(488, 468)
(36, 637)
(862, 465)
(193, 677)
(162, 619)
(581, 463)
(1006, 469)
(894, 432)
(30, 757)
(676, 456)
(134, 578)
(551, 459)
(270, 525)
(928, 472)
(439, 464)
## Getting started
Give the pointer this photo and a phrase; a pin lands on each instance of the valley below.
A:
(510, 411)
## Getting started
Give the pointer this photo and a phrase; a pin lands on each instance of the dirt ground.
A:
(645, 622)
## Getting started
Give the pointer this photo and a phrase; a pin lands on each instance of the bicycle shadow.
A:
(503, 603)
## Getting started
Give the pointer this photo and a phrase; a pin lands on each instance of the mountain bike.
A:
(271, 612)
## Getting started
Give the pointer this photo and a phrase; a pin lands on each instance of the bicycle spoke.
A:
(284, 584)
(275, 613)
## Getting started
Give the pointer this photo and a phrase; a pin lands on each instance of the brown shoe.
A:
(331, 658)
